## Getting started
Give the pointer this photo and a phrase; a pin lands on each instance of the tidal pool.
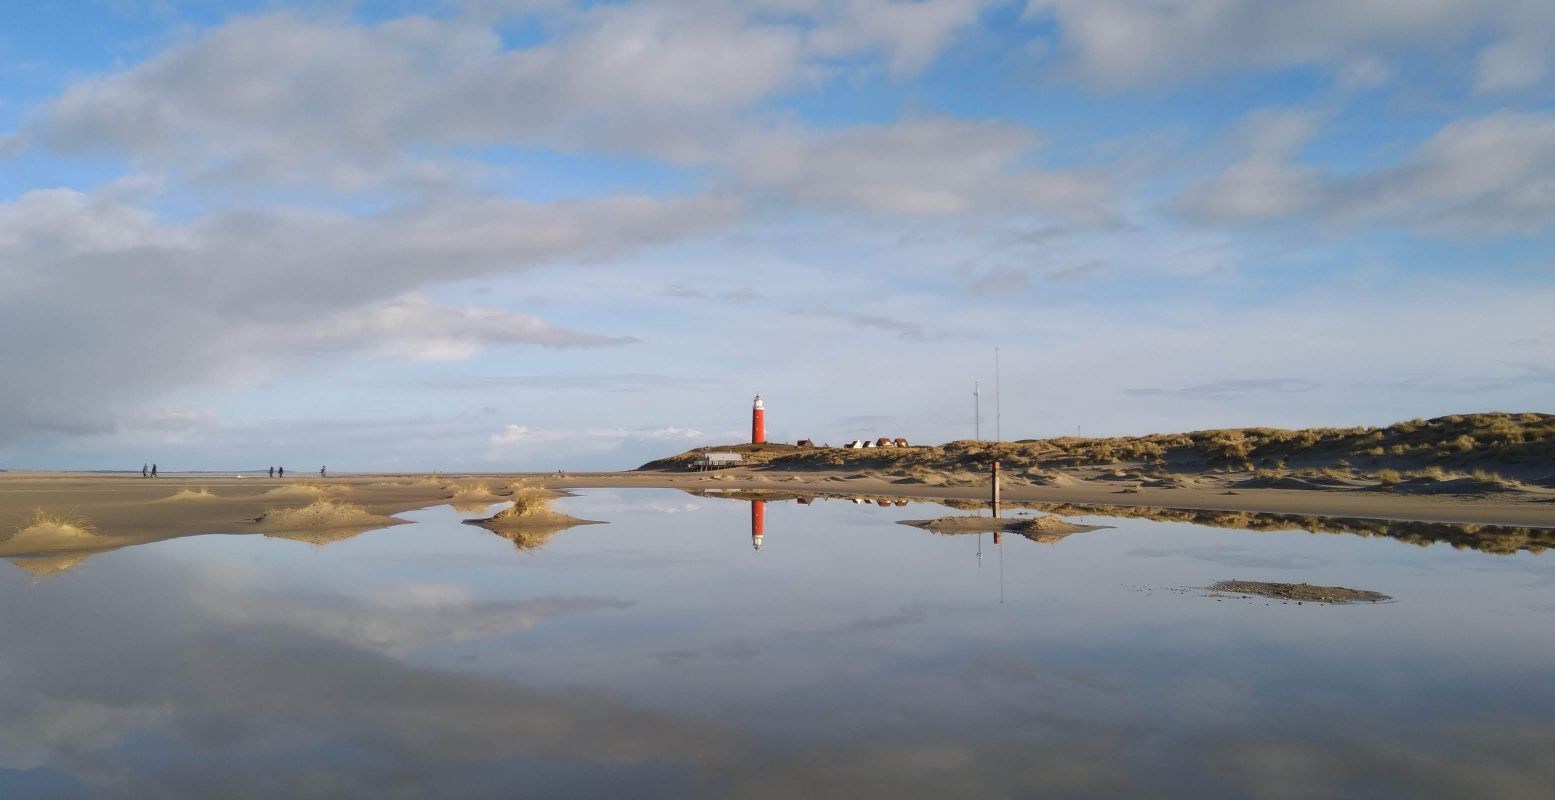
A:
(663, 655)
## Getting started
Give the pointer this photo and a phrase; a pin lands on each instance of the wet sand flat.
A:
(89, 512)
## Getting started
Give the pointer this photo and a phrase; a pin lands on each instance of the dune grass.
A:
(197, 493)
(323, 513)
(52, 523)
(528, 501)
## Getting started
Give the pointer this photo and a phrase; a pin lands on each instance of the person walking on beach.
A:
(153, 470)
(321, 472)
(272, 472)
(144, 471)
(280, 471)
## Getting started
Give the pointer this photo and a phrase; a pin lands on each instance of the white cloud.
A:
(416, 328)
(912, 33)
(523, 442)
(284, 98)
(1119, 44)
(108, 307)
(929, 166)
(1515, 63)
(1258, 188)
(1480, 177)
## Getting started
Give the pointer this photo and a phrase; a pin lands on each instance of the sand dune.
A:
(200, 494)
(51, 533)
(530, 521)
(322, 514)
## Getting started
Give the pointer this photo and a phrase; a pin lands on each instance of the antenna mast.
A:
(977, 411)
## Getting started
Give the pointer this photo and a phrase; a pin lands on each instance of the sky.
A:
(542, 234)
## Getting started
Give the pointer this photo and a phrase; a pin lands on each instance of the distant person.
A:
(321, 472)
(145, 471)
(153, 470)
(280, 471)
(272, 472)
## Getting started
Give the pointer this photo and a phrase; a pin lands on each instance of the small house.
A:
(717, 460)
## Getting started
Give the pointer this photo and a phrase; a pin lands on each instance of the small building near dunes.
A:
(718, 460)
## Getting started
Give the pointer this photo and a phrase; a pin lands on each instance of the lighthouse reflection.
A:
(758, 522)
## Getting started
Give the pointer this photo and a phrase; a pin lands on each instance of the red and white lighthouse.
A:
(758, 522)
(758, 422)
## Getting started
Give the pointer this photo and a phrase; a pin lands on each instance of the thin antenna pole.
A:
(998, 416)
(977, 411)
(1001, 574)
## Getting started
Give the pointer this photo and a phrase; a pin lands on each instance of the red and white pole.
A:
(758, 422)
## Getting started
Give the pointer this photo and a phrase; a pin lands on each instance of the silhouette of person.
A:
(272, 472)
(281, 471)
(153, 470)
(321, 472)
(144, 471)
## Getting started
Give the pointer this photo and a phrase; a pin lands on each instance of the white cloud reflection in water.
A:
(661, 655)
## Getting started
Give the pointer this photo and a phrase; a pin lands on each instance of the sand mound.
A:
(1300, 592)
(1462, 486)
(1165, 483)
(473, 498)
(181, 495)
(51, 533)
(296, 491)
(518, 485)
(529, 521)
(323, 514)
(1039, 478)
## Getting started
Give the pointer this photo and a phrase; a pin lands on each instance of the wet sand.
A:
(86, 513)
(65, 513)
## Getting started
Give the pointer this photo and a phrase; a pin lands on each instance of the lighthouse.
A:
(758, 422)
(758, 522)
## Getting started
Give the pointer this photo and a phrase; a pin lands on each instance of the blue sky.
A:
(530, 234)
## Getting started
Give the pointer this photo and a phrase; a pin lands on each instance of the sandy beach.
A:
(71, 515)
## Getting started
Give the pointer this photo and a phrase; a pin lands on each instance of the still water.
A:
(662, 655)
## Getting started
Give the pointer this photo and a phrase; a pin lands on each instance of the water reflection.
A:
(1484, 538)
(657, 657)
